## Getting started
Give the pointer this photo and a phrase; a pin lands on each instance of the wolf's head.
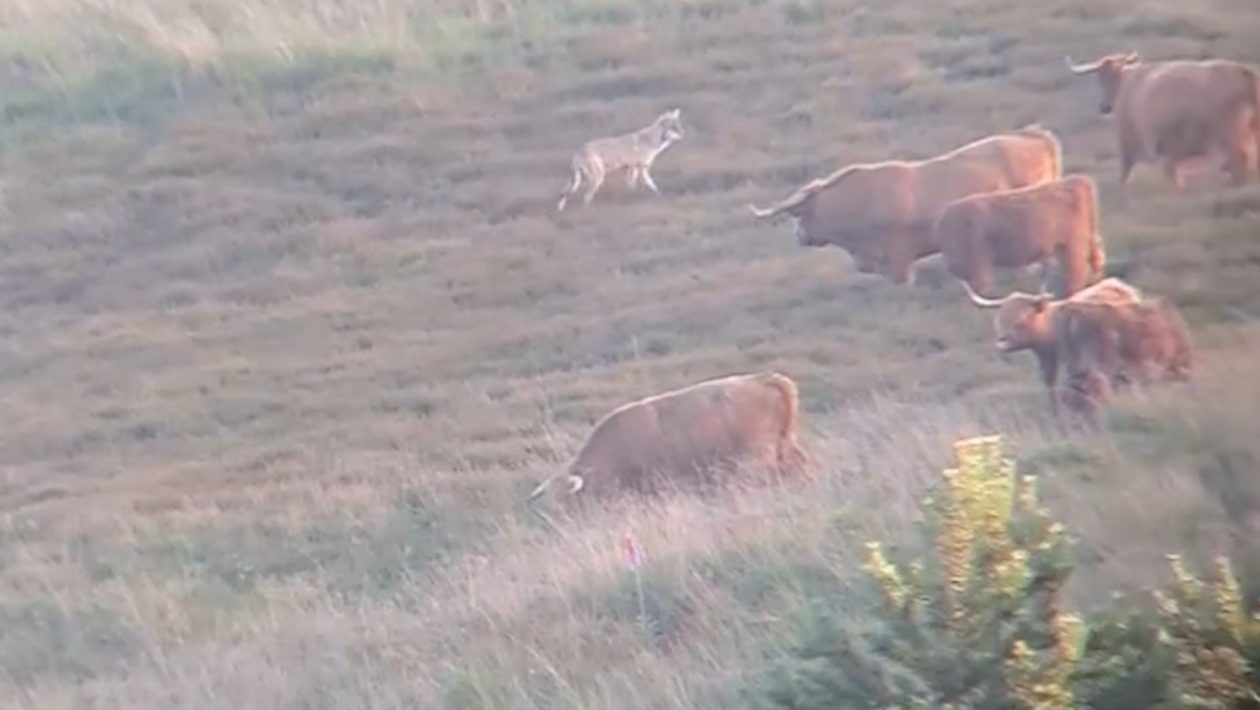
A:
(670, 124)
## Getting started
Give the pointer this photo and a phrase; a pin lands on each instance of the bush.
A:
(981, 621)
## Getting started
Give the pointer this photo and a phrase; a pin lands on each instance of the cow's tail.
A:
(1056, 156)
(1255, 115)
(1055, 170)
(792, 458)
(1097, 250)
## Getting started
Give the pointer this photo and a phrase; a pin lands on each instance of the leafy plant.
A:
(981, 622)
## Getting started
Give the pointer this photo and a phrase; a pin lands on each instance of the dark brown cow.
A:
(1105, 335)
(681, 433)
(1108, 344)
(1026, 321)
(1174, 111)
(1024, 227)
(882, 213)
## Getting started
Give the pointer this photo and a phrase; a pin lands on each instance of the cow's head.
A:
(1110, 71)
(1022, 320)
(670, 123)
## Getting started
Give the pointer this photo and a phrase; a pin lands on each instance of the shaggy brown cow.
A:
(1023, 227)
(1026, 321)
(1174, 111)
(1108, 344)
(882, 213)
(1105, 335)
(680, 433)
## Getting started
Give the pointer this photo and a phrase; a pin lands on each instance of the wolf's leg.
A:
(569, 191)
(647, 180)
(594, 180)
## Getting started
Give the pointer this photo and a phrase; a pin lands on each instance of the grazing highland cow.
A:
(882, 213)
(1174, 111)
(680, 434)
(1023, 227)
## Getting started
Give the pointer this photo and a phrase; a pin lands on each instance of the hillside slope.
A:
(282, 349)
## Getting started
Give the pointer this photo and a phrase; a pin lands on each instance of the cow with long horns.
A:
(1174, 111)
(1105, 336)
(882, 213)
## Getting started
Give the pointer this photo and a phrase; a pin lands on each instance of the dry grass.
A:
(287, 333)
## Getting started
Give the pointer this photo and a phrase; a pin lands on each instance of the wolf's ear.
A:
(676, 112)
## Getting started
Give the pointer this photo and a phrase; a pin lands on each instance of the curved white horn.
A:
(760, 211)
(981, 300)
(1081, 68)
(1131, 58)
(575, 483)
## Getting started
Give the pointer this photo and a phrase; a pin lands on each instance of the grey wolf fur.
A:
(634, 152)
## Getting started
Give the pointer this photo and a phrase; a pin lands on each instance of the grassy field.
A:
(289, 327)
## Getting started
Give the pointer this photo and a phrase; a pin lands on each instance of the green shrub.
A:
(981, 622)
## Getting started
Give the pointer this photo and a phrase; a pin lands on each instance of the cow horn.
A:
(1131, 58)
(575, 483)
(981, 300)
(1081, 68)
(758, 211)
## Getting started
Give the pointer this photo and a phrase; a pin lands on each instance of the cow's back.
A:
(1157, 337)
(1030, 223)
(1176, 108)
(869, 199)
(721, 418)
(1000, 162)
(679, 432)
(1137, 337)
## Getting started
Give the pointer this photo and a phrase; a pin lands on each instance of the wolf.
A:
(633, 152)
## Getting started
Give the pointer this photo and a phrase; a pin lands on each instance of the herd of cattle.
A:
(998, 202)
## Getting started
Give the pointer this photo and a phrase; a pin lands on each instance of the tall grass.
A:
(93, 59)
(289, 328)
(334, 599)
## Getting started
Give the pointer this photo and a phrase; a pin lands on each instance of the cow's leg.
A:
(790, 458)
(900, 262)
(1048, 363)
(1043, 275)
(1083, 394)
(1128, 158)
(1237, 142)
(1172, 168)
(1073, 261)
(1238, 164)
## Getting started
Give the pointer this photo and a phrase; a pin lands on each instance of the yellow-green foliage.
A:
(980, 622)
(1207, 634)
(976, 624)
(1000, 567)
